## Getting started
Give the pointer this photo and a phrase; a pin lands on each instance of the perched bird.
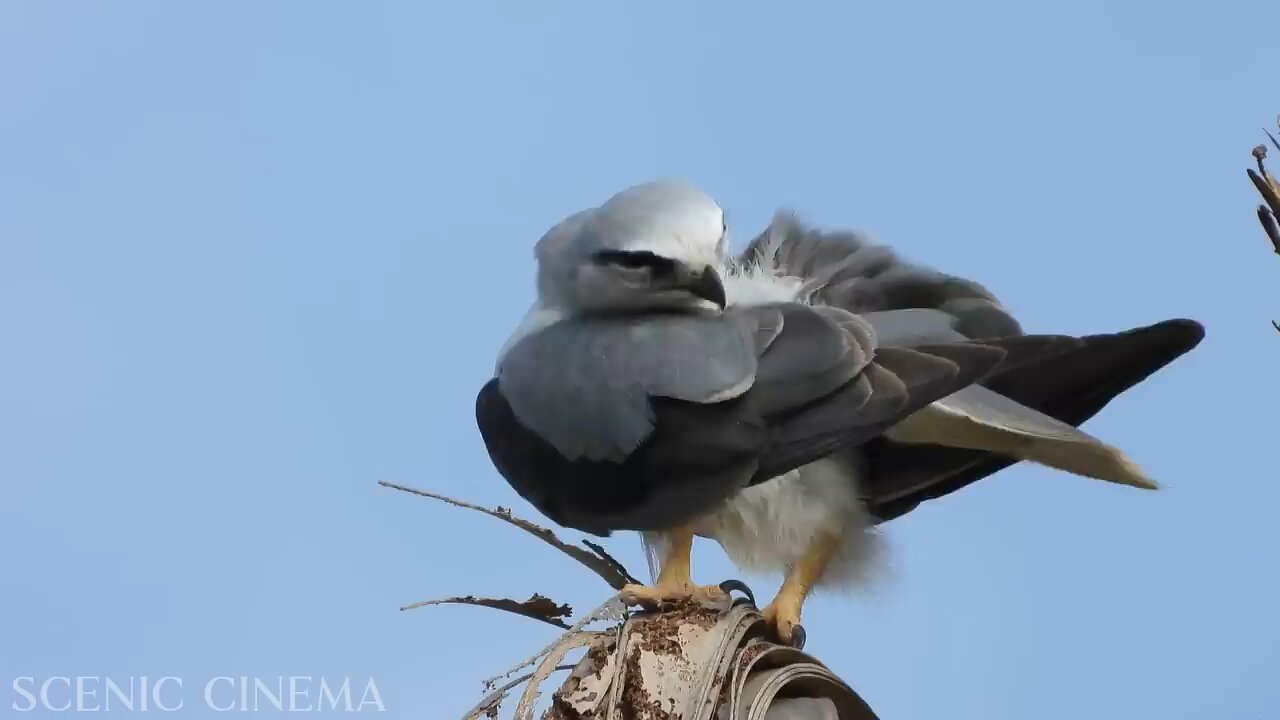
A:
(782, 402)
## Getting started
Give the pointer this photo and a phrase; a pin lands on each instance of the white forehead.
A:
(668, 218)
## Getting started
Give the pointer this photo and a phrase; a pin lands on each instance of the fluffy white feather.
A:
(767, 527)
(759, 281)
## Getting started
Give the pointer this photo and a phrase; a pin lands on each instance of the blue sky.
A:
(255, 257)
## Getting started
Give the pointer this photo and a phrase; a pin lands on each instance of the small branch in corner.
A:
(1269, 189)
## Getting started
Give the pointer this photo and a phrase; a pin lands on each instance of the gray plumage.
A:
(848, 270)
(952, 442)
(814, 386)
(629, 399)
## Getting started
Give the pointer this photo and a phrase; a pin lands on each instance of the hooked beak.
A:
(706, 285)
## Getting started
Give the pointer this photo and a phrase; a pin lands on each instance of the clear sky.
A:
(255, 257)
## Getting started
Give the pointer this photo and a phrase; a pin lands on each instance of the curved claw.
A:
(728, 586)
(798, 637)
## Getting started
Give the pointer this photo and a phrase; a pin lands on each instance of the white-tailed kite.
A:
(782, 402)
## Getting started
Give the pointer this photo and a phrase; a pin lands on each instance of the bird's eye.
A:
(634, 260)
(631, 260)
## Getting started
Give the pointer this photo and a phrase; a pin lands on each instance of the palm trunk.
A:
(688, 663)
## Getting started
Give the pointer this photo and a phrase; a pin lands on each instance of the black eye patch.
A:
(636, 260)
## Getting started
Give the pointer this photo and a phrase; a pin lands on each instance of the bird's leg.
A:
(784, 612)
(674, 583)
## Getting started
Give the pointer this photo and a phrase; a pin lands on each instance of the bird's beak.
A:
(707, 285)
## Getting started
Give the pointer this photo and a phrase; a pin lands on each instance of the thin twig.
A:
(537, 607)
(524, 710)
(610, 570)
(599, 550)
(611, 609)
(489, 705)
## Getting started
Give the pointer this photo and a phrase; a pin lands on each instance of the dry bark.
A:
(687, 663)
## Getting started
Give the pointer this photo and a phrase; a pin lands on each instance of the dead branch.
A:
(1269, 189)
(537, 607)
(597, 561)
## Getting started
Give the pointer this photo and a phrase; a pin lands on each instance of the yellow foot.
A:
(673, 593)
(784, 615)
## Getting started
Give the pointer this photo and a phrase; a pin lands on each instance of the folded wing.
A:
(648, 422)
(1027, 408)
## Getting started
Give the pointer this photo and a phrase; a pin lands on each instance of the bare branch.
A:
(610, 570)
(598, 550)
(537, 607)
(1269, 189)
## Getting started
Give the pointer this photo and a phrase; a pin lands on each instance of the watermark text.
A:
(227, 693)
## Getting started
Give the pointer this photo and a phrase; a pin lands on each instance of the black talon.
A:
(798, 636)
(728, 586)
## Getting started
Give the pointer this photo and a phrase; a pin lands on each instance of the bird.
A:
(782, 402)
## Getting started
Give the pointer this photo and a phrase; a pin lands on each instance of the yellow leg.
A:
(675, 584)
(784, 612)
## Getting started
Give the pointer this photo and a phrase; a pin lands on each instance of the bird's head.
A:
(655, 246)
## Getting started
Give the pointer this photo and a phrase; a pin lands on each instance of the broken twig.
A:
(598, 562)
(537, 607)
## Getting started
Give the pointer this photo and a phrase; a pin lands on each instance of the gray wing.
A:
(847, 270)
(608, 424)
(586, 386)
(1026, 410)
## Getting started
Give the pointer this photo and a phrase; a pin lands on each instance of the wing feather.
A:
(1069, 387)
(847, 270)
(1026, 409)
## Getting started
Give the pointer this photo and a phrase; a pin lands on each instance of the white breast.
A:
(767, 527)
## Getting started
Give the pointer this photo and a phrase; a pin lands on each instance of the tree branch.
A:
(597, 561)
(537, 607)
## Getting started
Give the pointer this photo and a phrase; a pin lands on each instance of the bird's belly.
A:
(767, 527)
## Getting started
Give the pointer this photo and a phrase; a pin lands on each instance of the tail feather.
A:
(1062, 446)
(1060, 392)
